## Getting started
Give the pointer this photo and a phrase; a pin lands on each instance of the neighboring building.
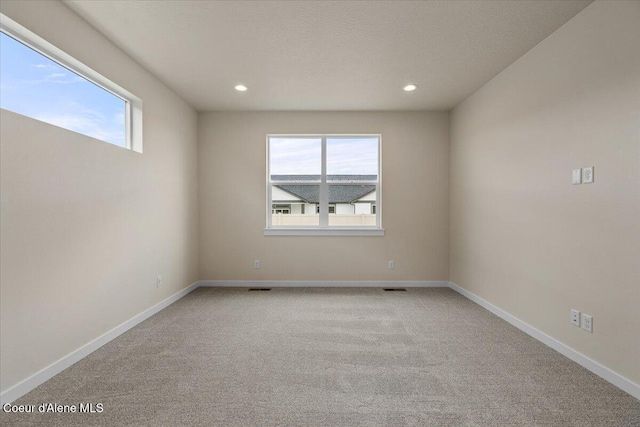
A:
(344, 199)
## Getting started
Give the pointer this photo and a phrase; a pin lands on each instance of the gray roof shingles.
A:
(337, 193)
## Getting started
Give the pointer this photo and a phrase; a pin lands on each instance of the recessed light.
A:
(409, 88)
(241, 88)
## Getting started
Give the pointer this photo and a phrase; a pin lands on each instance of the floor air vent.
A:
(259, 289)
(393, 289)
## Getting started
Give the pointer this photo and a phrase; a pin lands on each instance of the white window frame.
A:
(324, 229)
(133, 104)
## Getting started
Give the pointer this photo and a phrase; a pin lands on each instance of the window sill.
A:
(342, 231)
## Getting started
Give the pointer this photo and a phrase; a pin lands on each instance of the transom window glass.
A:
(328, 182)
(44, 83)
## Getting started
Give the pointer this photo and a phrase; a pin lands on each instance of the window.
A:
(42, 82)
(330, 183)
(281, 209)
(332, 208)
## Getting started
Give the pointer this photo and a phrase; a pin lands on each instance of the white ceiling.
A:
(326, 55)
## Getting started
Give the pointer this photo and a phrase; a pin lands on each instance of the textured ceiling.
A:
(326, 55)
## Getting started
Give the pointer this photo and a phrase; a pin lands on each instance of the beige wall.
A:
(86, 226)
(523, 237)
(232, 171)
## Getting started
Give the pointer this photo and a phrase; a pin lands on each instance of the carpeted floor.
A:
(329, 357)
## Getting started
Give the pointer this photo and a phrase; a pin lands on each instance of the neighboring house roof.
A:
(337, 193)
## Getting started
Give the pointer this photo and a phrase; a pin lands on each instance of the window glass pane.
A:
(35, 86)
(295, 205)
(49, 90)
(349, 189)
(296, 159)
(352, 158)
(354, 205)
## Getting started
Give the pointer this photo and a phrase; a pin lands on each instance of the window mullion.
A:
(324, 188)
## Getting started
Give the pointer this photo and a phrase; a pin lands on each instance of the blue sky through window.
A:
(35, 86)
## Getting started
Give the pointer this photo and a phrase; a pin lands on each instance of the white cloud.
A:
(295, 156)
(345, 156)
(352, 156)
(47, 66)
(118, 119)
(91, 124)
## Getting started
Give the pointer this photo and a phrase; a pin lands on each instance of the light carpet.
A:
(329, 357)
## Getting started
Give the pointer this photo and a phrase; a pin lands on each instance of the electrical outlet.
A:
(256, 264)
(159, 281)
(392, 265)
(587, 323)
(587, 175)
(575, 317)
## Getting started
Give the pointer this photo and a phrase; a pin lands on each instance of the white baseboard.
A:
(320, 284)
(55, 368)
(614, 378)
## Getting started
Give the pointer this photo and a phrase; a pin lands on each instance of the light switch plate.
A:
(587, 175)
(576, 177)
(575, 317)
